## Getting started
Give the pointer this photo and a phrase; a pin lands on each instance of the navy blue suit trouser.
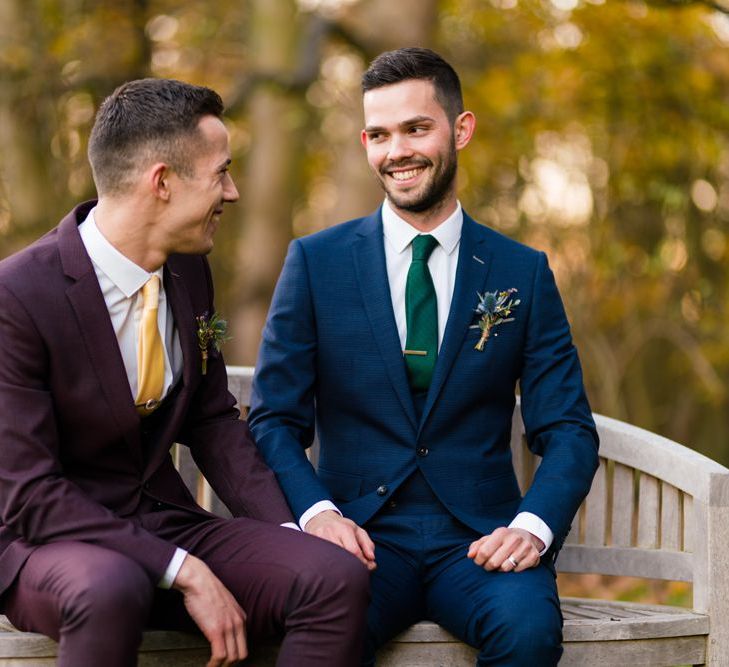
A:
(422, 573)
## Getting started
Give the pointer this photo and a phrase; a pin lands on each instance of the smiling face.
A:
(412, 149)
(197, 200)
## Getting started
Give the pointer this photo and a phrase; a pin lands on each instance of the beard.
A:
(433, 192)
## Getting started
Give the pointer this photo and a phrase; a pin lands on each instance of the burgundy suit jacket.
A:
(73, 465)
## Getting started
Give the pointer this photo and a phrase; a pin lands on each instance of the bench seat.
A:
(595, 632)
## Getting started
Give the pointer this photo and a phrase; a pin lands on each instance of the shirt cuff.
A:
(534, 525)
(291, 525)
(317, 508)
(172, 569)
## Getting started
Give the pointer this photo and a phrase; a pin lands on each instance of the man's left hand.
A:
(504, 547)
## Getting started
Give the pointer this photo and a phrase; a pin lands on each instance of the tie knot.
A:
(150, 293)
(423, 246)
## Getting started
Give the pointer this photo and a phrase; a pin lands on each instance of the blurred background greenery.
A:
(603, 139)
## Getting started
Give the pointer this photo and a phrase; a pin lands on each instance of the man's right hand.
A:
(331, 526)
(214, 610)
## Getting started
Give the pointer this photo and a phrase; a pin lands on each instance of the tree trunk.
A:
(270, 187)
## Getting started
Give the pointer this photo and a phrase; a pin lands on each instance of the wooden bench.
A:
(656, 510)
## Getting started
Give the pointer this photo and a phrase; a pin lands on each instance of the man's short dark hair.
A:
(144, 121)
(417, 63)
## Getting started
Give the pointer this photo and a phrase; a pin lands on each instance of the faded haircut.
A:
(145, 121)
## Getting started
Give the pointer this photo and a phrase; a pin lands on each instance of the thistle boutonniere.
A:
(494, 308)
(210, 331)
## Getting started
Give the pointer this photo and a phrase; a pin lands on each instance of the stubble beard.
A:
(435, 191)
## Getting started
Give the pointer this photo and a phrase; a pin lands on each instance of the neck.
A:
(426, 221)
(129, 227)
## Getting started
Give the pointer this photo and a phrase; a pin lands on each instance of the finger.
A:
(498, 559)
(523, 552)
(217, 649)
(488, 547)
(365, 543)
(231, 644)
(475, 546)
(492, 552)
(236, 642)
(240, 639)
(348, 541)
(527, 558)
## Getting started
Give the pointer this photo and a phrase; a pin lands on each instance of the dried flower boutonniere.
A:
(213, 330)
(494, 309)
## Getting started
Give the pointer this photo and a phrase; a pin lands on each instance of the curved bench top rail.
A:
(693, 473)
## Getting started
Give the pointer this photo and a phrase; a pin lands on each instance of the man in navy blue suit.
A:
(402, 336)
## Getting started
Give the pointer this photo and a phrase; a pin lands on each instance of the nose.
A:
(399, 148)
(230, 192)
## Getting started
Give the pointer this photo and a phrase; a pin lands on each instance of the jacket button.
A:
(422, 451)
(381, 490)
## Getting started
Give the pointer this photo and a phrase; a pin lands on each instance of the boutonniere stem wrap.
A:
(213, 331)
(494, 308)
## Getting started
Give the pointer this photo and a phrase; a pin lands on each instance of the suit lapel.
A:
(184, 320)
(371, 269)
(474, 262)
(97, 332)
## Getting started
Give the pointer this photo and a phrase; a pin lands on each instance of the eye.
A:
(418, 129)
(375, 137)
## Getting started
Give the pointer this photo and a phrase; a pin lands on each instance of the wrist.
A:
(320, 517)
(188, 574)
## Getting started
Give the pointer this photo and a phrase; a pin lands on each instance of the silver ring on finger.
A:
(513, 561)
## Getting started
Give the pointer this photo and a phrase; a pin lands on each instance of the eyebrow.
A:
(406, 123)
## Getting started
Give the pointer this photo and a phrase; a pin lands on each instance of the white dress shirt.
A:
(442, 264)
(121, 282)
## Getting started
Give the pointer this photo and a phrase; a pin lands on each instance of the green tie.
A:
(421, 313)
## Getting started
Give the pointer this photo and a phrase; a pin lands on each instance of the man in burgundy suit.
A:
(99, 536)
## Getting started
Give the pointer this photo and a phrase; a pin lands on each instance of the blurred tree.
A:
(603, 139)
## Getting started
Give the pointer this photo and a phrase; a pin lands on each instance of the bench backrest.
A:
(656, 508)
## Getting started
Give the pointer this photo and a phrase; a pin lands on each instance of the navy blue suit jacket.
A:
(331, 357)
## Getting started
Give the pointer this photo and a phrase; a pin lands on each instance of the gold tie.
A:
(150, 353)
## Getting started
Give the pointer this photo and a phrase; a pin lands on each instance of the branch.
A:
(307, 70)
(716, 5)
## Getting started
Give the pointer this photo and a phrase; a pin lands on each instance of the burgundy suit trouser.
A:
(95, 602)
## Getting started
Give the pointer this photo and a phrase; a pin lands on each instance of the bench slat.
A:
(637, 653)
(596, 508)
(623, 506)
(628, 561)
(670, 517)
(648, 511)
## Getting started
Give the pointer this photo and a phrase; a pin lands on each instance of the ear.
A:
(363, 138)
(158, 178)
(464, 128)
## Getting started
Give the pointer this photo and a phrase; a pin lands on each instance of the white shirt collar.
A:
(400, 233)
(127, 276)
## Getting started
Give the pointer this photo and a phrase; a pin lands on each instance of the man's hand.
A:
(504, 547)
(331, 526)
(215, 611)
